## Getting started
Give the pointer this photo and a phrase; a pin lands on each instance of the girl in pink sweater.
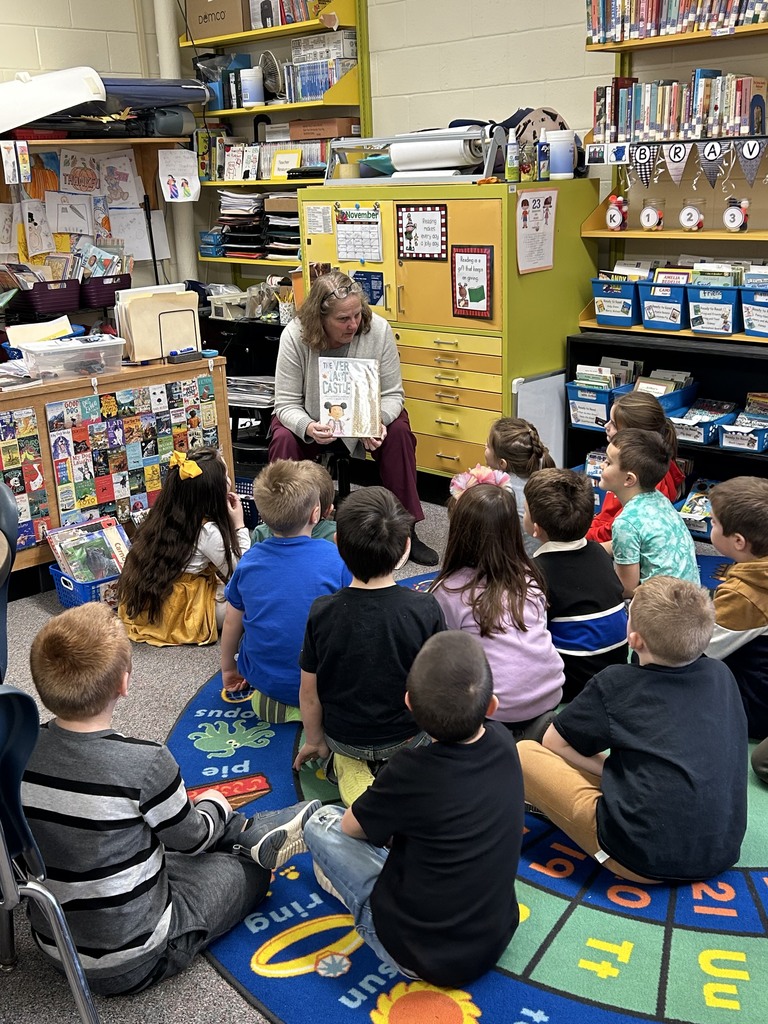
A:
(489, 586)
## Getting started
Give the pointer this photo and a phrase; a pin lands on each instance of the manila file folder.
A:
(158, 324)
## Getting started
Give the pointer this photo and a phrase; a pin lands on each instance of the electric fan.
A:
(273, 76)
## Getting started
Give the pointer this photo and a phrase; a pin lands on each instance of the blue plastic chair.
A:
(22, 871)
(9, 529)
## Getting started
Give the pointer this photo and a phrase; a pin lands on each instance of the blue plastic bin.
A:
(713, 310)
(616, 302)
(755, 440)
(71, 593)
(590, 408)
(754, 311)
(699, 433)
(664, 307)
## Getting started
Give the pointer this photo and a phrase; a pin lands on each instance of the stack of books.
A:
(241, 217)
(663, 382)
(91, 551)
(704, 410)
(610, 373)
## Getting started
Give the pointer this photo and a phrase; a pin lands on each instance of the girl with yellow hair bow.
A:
(171, 590)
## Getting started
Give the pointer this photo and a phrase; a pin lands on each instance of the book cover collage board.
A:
(110, 451)
(22, 471)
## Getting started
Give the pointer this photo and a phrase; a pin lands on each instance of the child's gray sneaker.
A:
(273, 837)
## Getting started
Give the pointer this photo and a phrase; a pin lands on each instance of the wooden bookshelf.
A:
(684, 39)
(343, 10)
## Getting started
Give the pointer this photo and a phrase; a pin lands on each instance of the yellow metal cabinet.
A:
(457, 371)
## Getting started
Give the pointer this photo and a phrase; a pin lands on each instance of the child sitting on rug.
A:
(638, 410)
(325, 527)
(515, 448)
(425, 860)
(649, 536)
(669, 802)
(359, 646)
(171, 590)
(272, 590)
(740, 639)
(489, 587)
(146, 877)
(585, 608)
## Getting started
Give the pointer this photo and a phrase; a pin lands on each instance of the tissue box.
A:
(89, 356)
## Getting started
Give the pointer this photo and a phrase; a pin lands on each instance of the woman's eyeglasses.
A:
(343, 292)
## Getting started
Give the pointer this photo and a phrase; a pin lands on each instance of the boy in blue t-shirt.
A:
(649, 536)
(272, 590)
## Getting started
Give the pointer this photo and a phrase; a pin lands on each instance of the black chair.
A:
(9, 529)
(22, 871)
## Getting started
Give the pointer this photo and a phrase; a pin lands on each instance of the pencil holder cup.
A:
(736, 214)
(692, 214)
(286, 312)
(652, 214)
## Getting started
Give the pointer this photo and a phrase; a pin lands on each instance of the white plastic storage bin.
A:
(88, 356)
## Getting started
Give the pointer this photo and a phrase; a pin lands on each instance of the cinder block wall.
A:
(46, 35)
(432, 62)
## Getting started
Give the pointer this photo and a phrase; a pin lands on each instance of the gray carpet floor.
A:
(164, 679)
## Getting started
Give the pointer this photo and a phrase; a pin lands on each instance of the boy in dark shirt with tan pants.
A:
(440, 904)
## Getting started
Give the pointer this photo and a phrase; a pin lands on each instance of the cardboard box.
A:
(324, 128)
(208, 18)
(324, 46)
(281, 204)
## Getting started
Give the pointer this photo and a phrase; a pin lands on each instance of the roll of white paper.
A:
(419, 152)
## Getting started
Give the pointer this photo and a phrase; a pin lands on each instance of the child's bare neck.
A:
(627, 493)
(305, 531)
(374, 583)
(96, 724)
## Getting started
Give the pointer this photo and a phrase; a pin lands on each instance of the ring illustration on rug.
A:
(591, 948)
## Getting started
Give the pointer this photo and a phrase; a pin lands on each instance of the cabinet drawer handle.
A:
(449, 362)
(452, 458)
(386, 298)
(447, 394)
(399, 303)
(446, 341)
(447, 423)
(447, 376)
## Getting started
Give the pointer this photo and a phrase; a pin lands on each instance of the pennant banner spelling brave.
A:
(643, 158)
(712, 153)
(750, 153)
(676, 154)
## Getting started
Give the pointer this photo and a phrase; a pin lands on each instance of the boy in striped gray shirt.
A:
(146, 877)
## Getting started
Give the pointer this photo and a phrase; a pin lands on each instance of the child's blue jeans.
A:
(352, 867)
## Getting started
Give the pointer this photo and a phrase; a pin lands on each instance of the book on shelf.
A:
(697, 507)
(654, 386)
(681, 378)
(350, 396)
(599, 377)
(705, 410)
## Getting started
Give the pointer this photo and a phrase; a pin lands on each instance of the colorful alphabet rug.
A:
(590, 948)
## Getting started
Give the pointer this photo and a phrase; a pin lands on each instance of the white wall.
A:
(435, 61)
(46, 35)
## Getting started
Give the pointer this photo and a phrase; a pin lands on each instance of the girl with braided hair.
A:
(515, 448)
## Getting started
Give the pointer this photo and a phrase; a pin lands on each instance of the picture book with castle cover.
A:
(350, 396)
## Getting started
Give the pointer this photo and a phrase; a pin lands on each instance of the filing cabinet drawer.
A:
(445, 341)
(445, 455)
(452, 361)
(447, 394)
(439, 377)
(446, 421)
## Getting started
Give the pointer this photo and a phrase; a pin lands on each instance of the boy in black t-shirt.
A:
(359, 646)
(440, 905)
(586, 614)
(669, 802)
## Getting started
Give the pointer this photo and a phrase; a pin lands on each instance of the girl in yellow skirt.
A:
(171, 589)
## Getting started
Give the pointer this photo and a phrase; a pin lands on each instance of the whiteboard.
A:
(541, 401)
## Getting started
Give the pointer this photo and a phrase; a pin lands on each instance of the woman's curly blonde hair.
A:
(322, 301)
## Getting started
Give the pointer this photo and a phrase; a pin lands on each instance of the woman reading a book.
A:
(336, 321)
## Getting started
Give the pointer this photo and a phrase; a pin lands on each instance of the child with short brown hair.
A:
(271, 592)
(669, 801)
(585, 608)
(146, 877)
(649, 535)
(325, 527)
(740, 639)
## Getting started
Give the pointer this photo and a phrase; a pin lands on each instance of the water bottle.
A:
(512, 171)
